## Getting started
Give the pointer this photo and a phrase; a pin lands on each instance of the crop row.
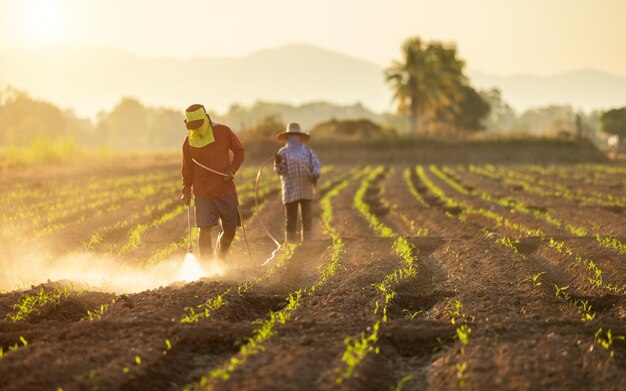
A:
(595, 274)
(149, 211)
(583, 307)
(50, 200)
(89, 201)
(38, 194)
(549, 189)
(580, 231)
(268, 327)
(583, 194)
(30, 304)
(205, 309)
(358, 347)
(41, 224)
(576, 174)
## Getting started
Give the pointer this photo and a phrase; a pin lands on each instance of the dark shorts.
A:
(209, 211)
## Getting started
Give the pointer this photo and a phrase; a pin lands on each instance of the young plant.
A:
(606, 341)
(534, 279)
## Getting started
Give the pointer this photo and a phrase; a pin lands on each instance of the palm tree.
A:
(430, 78)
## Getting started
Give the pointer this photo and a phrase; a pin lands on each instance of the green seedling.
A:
(411, 315)
(441, 345)
(359, 203)
(168, 347)
(33, 303)
(454, 308)
(560, 292)
(507, 242)
(461, 368)
(244, 288)
(402, 381)
(356, 351)
(534, 279)
(412, 189)
(206, 309)
(96, 314)
(463, 332)
(606, 341)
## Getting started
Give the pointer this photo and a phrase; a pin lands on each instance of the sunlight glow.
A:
(43, 21)
(191, 270)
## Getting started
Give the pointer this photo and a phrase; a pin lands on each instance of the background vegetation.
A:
(433, 97)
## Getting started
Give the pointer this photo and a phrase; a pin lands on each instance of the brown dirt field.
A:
(522, 334)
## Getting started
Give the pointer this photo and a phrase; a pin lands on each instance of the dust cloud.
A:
(98, 273)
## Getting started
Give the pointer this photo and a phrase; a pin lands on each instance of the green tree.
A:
(165, 127)
(472, 110)
(24, 119)
(132, 125)
(268, 127)
(546, 120)
(501, 116)
(125, 126)
(614, 122)
(428, 79)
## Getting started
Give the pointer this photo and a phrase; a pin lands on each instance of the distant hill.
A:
(94, 79)
(588, 89)
(307, 115)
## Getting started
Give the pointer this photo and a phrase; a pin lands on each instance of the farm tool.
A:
(189, 249)
(256, 204)
(191, 269)
(243, 227)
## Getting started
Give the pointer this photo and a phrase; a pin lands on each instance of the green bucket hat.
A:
(198, 124)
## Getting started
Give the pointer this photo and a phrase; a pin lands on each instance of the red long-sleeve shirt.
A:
(215, 156)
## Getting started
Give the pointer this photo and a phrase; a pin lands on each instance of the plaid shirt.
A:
(296, 178)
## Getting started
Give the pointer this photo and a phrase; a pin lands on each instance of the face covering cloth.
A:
(203, 135)
(293, 141)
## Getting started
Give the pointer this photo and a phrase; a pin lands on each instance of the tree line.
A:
(432, 95)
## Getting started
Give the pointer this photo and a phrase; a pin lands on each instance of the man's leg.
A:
(229, 216)
(291, 215)
(225, 239)
(307, 217)
(217, 240)
(206, 219)
(204, 244)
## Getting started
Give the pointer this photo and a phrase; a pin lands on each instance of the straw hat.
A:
(293, 128)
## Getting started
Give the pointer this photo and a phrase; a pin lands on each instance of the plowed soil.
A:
(524, 335)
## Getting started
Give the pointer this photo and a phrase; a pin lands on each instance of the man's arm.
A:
(238, 152)
(316, 167)
(280, 165)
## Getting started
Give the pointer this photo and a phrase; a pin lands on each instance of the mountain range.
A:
(587, 89)
(90, 80)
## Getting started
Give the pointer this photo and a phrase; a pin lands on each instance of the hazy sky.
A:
(496, 36)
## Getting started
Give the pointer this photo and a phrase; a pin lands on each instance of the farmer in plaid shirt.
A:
(299, 170)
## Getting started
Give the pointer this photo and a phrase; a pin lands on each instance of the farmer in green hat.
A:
(208, 170)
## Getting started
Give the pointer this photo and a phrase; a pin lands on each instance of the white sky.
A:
(496, 36)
